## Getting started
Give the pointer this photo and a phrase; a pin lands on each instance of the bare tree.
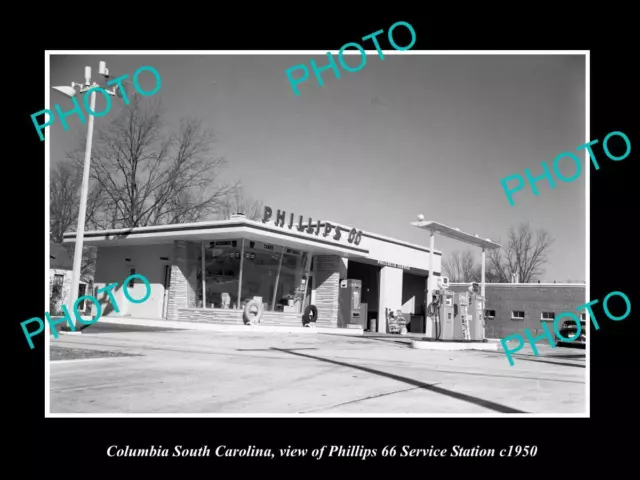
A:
(64, 189)
(239, 202)
(144, 175)
(524, 256)
(490, 274)
(461, 267)
(63, 206)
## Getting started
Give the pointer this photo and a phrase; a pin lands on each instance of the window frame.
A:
(513, 317)
(132, 271)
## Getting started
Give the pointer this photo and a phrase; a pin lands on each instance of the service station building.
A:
(208, 271)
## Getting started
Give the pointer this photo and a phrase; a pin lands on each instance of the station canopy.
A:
(456, 234)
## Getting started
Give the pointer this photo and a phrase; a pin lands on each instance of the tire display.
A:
(248, 315)
(310, 315)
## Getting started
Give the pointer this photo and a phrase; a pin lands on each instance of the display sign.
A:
(354, 236)
(394, 265)
(225, 243)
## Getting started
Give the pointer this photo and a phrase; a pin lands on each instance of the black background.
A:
(76, 447)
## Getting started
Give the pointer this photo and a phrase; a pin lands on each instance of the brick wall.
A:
(183, 277)
(329, 270)
(235, 317)
(530, 298)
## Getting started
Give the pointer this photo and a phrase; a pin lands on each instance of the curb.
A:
(452, 346)
(213, 327)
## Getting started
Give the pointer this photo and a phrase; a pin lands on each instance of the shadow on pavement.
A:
(532, 358)
(443, 391)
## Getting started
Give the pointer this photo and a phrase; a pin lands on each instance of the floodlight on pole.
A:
(77, 258)
(68, 91)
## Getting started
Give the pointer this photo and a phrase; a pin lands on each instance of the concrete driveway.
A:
(184, 371)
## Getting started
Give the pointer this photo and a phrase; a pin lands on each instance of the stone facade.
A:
(183, 278)
(235, 317)
(329, 270)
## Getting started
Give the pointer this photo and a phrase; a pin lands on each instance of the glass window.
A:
(222, 273)
(517, 315)
(260, 272)
(82, 291)
(548, 316)
(270, 272)
(290, 294)
(490, 313)
(274, 274)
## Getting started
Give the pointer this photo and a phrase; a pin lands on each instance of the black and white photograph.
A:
(391, 232)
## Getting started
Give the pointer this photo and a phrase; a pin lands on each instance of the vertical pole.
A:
(482, 273)
(310, 278)
(77, 256)
(275, 291)
(238, 303)
(430, 278)
(305, 274)
(484, 300)
(203, 275)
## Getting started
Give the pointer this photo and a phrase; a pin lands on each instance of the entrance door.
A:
(167, 285)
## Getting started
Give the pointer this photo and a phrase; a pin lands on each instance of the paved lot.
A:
(181, 371)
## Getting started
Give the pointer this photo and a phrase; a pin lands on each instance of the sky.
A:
(407, 135)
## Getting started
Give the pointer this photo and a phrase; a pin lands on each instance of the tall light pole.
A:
(71, 91)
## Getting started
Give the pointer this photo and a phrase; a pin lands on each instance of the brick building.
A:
(208, 271)
(512, 307)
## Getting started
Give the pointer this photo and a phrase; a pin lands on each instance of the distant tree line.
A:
(521, 259)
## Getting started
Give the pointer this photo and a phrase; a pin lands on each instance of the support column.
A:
(482, 274)
(484, 300)
(275, 290)
(203, 275)
(183, 280)
(390, 294)
(431, 272)
(327, 279)
(239, 301)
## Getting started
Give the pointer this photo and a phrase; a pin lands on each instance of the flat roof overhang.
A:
(456, 234)
(219, 230)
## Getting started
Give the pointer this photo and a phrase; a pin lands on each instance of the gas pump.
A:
(462, 317)
(446, 315)
(476, 313)
(440, 313)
